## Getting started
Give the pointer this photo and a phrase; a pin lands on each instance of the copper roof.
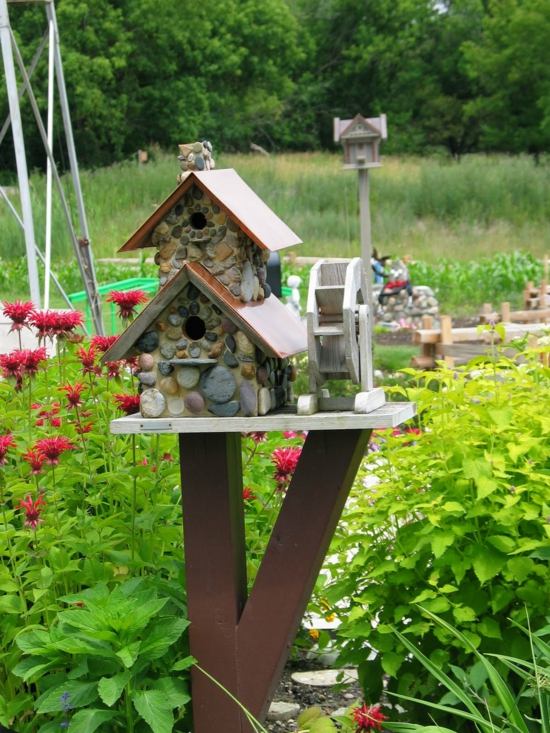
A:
(227, 189)
(268, 323)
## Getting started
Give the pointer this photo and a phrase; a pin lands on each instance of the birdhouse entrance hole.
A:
(198, 220)
(195, 328)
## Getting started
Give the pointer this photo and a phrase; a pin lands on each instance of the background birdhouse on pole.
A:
(361, 138)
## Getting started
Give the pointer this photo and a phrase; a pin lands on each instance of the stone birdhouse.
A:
(214, 340)
(361, 138)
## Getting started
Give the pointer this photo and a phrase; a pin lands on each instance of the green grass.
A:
(431, 208)
(393, 357)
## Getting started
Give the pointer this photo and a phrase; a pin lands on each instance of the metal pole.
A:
(21, 92)
(19, 147)
(76, 245)
(86, 259)
(49, 212)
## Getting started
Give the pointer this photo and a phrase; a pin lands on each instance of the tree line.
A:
(453, 75)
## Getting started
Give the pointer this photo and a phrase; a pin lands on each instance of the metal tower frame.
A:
(81, 243)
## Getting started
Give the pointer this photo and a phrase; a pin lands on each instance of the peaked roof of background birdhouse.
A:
(268, 323)
(227, 189)
(378, 126)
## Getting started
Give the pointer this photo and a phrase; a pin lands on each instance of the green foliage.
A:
(456, 75)
(487, 279)
(458, 523)
(483, 696)
(110, 513)
(511, 61)
(118, 648)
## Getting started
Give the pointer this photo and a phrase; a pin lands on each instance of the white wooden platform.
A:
(389, 415)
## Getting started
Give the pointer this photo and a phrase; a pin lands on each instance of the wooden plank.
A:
(293, 558)
(215, 568)
(539, 314)
(329, 299)
(513, 330)
(390, 415)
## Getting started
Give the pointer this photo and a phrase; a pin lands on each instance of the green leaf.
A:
(322, 725)
(89, 720)
(391, 663)
(11, 604)
(174, 689)
(79, 694)
(164, 633)
(487, 563)
(440, 541)
(485, 486)
(184, 663)
(129, 654)
(490, 628)
(31, 666)
(110, 688)
(502, 543)
(464, 613)
(151, 706)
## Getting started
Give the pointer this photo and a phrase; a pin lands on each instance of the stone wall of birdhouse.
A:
(194, 361)
(198, 230)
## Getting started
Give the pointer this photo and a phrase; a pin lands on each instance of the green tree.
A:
(511, 63)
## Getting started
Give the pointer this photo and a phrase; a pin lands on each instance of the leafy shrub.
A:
(458, 522)
(109, 658)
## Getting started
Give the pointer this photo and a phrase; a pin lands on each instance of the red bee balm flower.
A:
(18, 313)
(128, 403)
(127, 302)
(103, 343)
(248, 494)
(35, 460)
(52, 448)
(6, 441)
(33, 357)
(87, 359)
(55, 323)
(74, 393)
(368, 717)
(32, 510)
(285, 460)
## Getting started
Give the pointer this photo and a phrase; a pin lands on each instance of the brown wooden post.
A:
(244, 643)
(213, 528)
(505, 312)
(293, 559)
(447, 338)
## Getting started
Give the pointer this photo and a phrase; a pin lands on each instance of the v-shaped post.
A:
(244, 642)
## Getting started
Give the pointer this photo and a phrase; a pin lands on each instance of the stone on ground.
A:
(283, 710)
(326, 677)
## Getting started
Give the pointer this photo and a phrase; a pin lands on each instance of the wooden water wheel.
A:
(339, 337)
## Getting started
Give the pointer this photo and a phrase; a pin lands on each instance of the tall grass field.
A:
(476, 230)
(429, 208)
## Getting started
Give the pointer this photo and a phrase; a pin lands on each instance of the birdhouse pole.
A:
(365, 228)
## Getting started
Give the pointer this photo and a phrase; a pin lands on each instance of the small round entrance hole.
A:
(198, 220)
(195, 328)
